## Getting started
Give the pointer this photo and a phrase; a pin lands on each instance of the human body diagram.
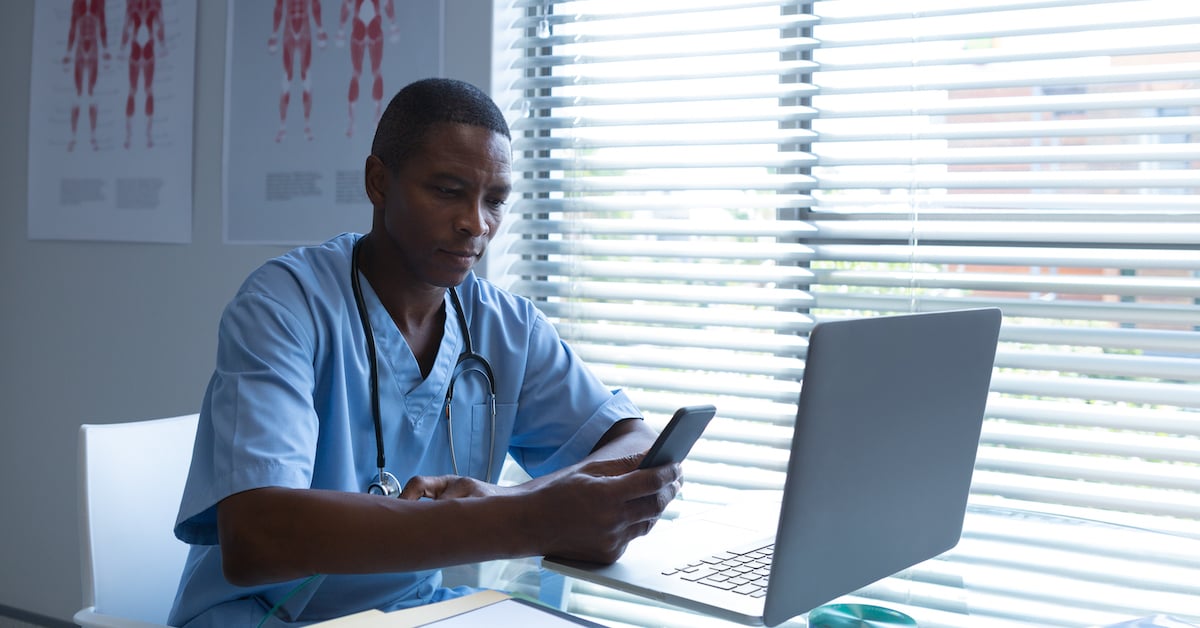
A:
(366, 39)
(87, 44)
(143, 29)
(293, 30)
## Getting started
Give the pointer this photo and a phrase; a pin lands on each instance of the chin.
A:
(450, 280)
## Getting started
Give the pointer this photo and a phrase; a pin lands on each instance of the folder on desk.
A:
(484, 608)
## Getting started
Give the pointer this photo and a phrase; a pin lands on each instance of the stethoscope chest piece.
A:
(386, 484)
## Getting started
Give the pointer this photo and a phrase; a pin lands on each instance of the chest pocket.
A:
(478, 440)
(489, 440)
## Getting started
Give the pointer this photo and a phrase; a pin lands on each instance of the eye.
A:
(497, 203)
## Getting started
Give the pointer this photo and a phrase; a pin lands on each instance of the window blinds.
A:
(700, 181)
(661, 160)
(1040, 157)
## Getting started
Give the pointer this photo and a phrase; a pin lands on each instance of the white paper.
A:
(295, 142)
(506, 613)
(110, 120)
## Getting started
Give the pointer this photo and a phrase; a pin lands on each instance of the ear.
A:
(376, 178)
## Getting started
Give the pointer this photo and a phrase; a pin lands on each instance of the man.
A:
(282, 527)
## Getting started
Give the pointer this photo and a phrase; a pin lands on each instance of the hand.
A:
(594, 512)
(272, 44)
(447, 487)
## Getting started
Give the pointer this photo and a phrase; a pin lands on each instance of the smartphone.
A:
(677, 438)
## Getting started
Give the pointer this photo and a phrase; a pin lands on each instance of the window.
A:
(1037, 156)
(701, 181)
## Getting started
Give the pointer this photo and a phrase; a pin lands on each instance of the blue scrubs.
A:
(289, 404)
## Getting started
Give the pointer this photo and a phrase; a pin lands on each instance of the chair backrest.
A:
(131, 478)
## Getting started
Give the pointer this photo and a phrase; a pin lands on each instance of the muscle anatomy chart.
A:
(292, 27)
(295, 146)
(110, 120)
(87, 41)
(143, 29)
(366, 39)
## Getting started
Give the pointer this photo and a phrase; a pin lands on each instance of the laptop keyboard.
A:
(742, 572)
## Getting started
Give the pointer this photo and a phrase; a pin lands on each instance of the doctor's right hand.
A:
(594, 512)
(447, 487)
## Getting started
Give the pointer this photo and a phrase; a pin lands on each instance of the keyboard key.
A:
(698, 575)
(742, 572)
(725, 585)
(748, 589)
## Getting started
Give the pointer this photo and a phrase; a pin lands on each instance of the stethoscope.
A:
(468, 361)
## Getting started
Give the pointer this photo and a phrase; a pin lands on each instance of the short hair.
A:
(421, 104)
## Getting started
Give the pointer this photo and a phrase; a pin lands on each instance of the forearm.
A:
(277, 534)
(626, 437)
(590, 510)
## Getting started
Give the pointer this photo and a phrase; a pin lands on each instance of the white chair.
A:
(131, 478)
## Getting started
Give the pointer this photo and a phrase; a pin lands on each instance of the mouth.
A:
(461, 260)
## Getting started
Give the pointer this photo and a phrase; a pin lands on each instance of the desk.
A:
(1012, 569)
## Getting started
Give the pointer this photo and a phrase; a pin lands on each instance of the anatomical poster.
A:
(110, 120)
(306, 83)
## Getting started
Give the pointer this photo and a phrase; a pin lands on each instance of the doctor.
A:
(348, 368)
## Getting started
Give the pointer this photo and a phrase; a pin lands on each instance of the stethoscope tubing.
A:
(387, 484)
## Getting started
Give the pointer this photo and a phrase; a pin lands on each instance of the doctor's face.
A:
(444, 204)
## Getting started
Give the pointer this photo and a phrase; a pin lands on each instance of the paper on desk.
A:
(1154, 621)
(508, 612)
(418, 615)
(484, 608)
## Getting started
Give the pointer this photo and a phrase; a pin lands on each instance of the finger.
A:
(613, 466)
(645, 482)
(458, 486)
(651, 507)
(424, 486)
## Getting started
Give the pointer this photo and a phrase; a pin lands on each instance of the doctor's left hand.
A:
(447, 487)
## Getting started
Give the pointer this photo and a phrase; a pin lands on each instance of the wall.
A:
(98, 332)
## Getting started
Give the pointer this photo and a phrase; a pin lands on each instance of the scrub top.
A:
(289, 404)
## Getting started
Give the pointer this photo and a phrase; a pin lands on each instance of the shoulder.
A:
(483, 298)
(305, 274)
(308, 286)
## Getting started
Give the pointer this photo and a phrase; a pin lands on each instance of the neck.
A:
(417, 312)
(411, 305)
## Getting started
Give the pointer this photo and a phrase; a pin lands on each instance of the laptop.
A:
(887, 430)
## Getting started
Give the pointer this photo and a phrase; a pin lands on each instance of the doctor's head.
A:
(439, 177)
(425, 105)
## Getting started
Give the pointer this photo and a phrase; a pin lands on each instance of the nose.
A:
(473, 220)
